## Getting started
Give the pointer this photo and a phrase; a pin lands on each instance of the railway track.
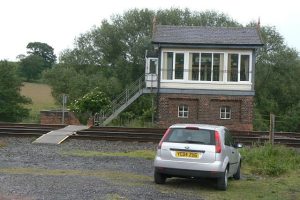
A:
(141, 134)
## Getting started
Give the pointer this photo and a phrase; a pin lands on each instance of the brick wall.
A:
(55, 117)
(206, 109)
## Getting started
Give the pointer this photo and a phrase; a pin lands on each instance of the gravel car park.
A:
(32, 171)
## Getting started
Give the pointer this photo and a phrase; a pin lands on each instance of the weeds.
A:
(270, 160)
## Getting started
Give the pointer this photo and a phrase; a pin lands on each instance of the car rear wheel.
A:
(222, 182)
(159, 178)
(237, 175)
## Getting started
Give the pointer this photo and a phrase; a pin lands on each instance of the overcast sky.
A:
(58, 22)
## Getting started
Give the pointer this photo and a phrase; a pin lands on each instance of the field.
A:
(41, 97)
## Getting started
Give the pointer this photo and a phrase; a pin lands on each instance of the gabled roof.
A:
(200, 35)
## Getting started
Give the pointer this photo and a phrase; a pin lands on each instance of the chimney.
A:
(154, 23)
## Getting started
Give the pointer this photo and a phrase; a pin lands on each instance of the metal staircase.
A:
(131, 93)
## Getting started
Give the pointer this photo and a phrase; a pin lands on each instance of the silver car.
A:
(196, 151)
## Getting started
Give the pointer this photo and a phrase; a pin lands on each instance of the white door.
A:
(151, 72)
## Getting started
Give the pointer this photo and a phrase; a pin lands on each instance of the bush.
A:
(271, 160)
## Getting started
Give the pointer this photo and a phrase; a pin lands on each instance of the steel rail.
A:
(141, 134)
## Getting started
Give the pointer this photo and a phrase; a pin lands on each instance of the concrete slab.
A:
(58, 136)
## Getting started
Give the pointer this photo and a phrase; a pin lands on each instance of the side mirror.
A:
(238, 145)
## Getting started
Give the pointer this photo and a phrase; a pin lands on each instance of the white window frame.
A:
(174, 65)
(225, 110)
(188, 52)
(183, 111)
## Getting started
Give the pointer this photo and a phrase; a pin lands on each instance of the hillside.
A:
(41, 97)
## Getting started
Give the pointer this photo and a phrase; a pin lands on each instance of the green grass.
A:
(270, 160)
(41, 97)
(146, 154)
(265, 188)
(117, 177)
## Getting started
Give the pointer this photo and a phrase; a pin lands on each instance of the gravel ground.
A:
(34, 171)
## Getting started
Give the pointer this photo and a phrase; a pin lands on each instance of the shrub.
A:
(272, 160)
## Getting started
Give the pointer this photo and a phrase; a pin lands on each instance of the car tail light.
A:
(163, 138)
(218, 142)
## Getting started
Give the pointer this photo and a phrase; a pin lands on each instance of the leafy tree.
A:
(40, 57)
(121, 43)
(76, 83)
(11, 101)
(31, 67)
(91, 103)
(43, 50)
(277, 85)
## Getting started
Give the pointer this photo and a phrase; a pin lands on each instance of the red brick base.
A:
(205, 109)
(55, 117)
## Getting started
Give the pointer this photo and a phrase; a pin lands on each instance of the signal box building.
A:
(204, 74)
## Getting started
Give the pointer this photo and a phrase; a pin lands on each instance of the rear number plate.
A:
(185, 154)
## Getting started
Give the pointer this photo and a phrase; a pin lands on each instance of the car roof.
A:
(200, 126)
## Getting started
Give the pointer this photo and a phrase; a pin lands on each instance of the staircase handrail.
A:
(121, 99)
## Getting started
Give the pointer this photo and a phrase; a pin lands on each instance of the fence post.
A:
(272, 128)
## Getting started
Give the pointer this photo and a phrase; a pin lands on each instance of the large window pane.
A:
(218, 67)
(206, 62)
(194, 66)
(167, 69)
(245, 63)
(232, 73)
(179, 63)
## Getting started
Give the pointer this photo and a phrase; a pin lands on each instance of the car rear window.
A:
(197, 136)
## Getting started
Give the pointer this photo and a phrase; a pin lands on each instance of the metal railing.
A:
(120, 100)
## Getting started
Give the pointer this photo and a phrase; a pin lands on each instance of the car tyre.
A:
(159, 178)
(222, 182)
(237, 175)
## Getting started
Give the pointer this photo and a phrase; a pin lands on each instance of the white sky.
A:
(58, 22)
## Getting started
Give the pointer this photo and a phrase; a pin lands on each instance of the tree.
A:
(44, 51)
(31, 67)
(91, 103)
(277, 85)
(121, 43)
(11, 101)
(70, 80)
(40, 57)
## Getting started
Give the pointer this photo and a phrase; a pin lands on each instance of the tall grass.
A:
(272, 160)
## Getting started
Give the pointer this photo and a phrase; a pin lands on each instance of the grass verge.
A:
(264, 188)
(116, 177)
(146, 154)
(271, 160)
